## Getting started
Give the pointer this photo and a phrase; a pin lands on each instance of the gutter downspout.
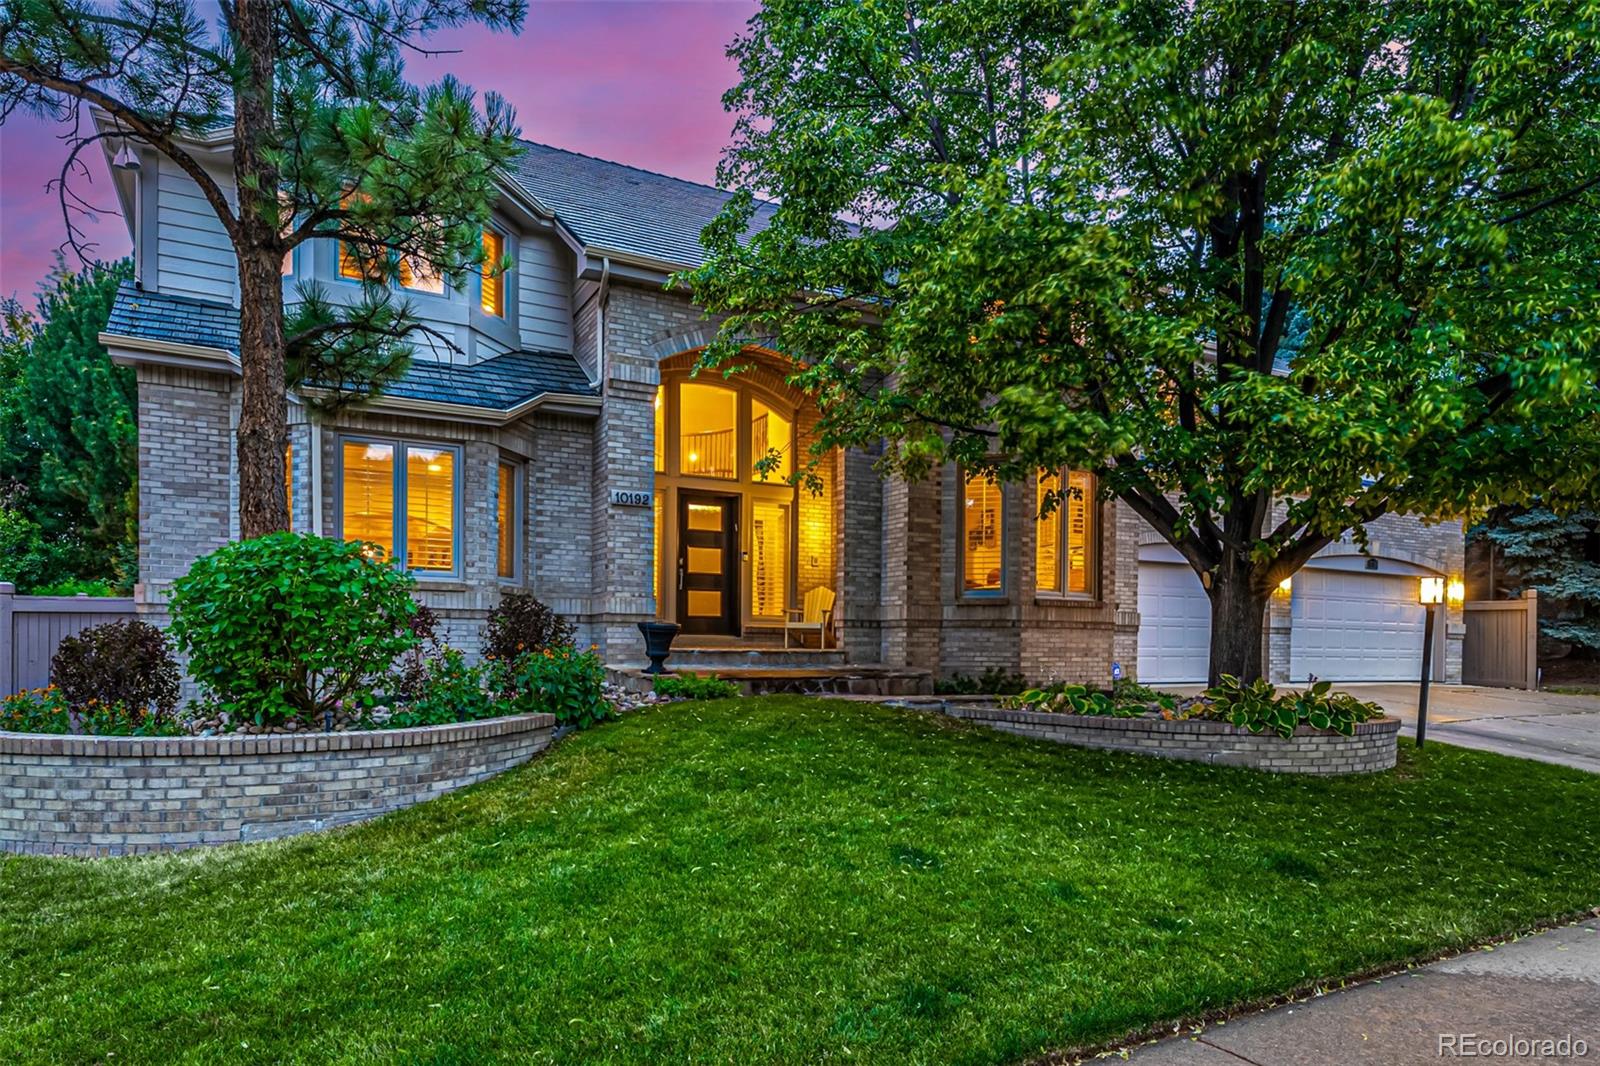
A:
(604, 297)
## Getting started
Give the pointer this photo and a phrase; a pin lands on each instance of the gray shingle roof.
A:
(156, 316)
(494, 384)
(623, 208)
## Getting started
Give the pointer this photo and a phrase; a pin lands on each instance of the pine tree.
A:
(1557, 555)
(329, 141)
(69, 437)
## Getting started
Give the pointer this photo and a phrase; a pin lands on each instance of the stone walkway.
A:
(1545, 987)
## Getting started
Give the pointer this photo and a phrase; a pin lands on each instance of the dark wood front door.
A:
(708, 563)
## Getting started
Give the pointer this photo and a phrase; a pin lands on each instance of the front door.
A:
(708, 563)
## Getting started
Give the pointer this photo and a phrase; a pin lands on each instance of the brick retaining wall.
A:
(1309, 751)
(71, 795)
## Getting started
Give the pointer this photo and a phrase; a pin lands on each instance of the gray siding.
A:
(193, 255)
(544, 285)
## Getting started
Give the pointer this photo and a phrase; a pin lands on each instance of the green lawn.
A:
(785, 880)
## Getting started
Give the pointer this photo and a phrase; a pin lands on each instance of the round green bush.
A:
(288, 624)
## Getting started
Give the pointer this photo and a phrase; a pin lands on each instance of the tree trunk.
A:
(1238, 621)
(263, 405)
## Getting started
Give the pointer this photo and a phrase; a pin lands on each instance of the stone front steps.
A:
(841, 679)
(719, 657)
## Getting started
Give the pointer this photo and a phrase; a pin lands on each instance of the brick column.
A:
(912, 581)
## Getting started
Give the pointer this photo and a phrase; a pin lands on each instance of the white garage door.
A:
(1174, 624)
(1354, 626)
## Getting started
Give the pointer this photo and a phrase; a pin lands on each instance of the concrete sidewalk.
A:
(1543, 987)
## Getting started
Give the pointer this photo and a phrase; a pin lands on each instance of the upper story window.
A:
(1064, 551)
(421, 275)
(982, 554)
(407, 507)
(493, 294)
(708, 433)
(771, 438)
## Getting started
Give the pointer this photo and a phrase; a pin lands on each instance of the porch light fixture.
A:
(1286, 586)
(126, 159)
(1430, 593)
(1456, 591)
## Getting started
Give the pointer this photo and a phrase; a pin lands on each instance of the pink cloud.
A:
(638, 82)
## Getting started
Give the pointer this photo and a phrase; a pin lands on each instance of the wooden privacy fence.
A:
(1501, 645)
(32, 626)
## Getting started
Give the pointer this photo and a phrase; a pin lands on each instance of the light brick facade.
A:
(889, 549)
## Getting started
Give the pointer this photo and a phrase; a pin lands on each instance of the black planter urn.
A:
(658, 643)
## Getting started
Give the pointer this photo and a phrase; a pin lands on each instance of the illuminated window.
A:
(376, 490)
(493, 296)
(661, 429)
(369, 495)
(769, 559)
(430, 509)
(771, 437)
(1065, 552)
(982, 561)
(1047, 549)
(707, 443)
(506, 521)
(357, 267)
(421, 275)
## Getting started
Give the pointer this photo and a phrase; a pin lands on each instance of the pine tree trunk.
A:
(1238, 621)
(263, 406)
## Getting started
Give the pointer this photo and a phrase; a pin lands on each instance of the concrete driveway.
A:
(1547, 726)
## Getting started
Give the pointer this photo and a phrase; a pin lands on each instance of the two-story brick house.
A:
(560, 444)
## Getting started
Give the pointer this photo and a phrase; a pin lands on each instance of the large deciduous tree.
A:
(1271, 271)
(328, 140)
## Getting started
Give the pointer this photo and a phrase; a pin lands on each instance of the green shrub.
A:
(125, 663)
(75, 586)
(558, 680)
(46, 710)
(290, 624)
(520, 624)
(1127, 690)
(692, 686)
(1258, 707)
(994, 681)
(1076, 699)
(447, 690)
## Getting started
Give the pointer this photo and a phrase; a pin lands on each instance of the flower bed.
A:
(98, 795)
(1369, 748)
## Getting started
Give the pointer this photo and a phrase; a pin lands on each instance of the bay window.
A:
(1064, 547)
(382, 481)
(982, 554)
(492, 295)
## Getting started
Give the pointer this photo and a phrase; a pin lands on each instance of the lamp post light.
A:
(1430, 593)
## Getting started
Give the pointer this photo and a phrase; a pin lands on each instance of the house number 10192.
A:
(631, 498)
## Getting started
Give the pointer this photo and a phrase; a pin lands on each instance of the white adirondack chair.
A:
(815, 617)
